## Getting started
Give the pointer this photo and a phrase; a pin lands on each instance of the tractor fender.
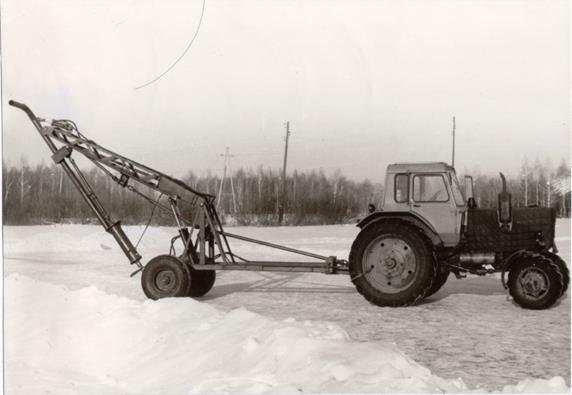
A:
(404, 216)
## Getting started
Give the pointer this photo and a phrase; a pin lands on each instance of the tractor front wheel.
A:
(535, 282)
(391, 264)
(166, 276)
(563, 269)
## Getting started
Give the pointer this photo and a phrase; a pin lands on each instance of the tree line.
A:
(43, 194)
(537, 184)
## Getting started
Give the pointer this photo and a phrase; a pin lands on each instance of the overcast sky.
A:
(363, 83)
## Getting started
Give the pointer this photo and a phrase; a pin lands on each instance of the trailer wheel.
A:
(440, 280)
(202, 282)
(563, 269)
(166, 276)
(391, 264)
(535, 282)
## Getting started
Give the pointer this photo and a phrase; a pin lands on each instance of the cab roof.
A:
(419, 167)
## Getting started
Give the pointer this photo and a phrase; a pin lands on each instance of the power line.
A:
(181, 56)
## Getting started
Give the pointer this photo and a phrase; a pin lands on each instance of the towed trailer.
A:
(426, 230)
(206, 248)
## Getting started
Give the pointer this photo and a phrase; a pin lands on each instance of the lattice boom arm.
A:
(65, 133)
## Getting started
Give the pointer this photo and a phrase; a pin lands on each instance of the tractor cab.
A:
(429, 192)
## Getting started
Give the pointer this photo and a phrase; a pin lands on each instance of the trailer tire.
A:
(535, 281)
(202, 282)
(391, 264)
(440, 280)
(166, 276)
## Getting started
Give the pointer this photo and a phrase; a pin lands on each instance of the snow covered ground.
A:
(76, 323)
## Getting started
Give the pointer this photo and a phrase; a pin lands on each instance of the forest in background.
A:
(44, 195)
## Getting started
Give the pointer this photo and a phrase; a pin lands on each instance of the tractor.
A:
(427, 229)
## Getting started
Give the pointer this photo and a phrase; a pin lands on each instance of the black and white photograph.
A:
(286, 196)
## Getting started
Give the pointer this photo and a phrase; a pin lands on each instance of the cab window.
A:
(457, 194)
(401, 188)
(430, 188)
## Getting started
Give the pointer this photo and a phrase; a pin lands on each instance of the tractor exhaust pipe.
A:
(505, 207)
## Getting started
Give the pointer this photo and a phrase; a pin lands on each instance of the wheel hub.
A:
(165, 280)
(534, 282)
(389, 264)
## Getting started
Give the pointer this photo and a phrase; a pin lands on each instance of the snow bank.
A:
(61, 339)
(87, 341)
(555, 385)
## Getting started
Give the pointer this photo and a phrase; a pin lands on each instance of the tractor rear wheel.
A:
(535, 281)
(166, 276)
(391, 264)
(440, 280)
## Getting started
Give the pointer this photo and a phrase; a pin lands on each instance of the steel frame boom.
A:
(210, 244)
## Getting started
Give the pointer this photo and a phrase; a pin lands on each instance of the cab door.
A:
(431, 199)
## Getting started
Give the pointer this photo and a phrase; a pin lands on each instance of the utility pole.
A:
(548, 198)
(282, 203)
(537, 182)
(226, 157)
(453, 158)
(22, 187)
(525, 187)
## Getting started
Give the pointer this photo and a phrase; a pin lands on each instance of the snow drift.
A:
(87, 341)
